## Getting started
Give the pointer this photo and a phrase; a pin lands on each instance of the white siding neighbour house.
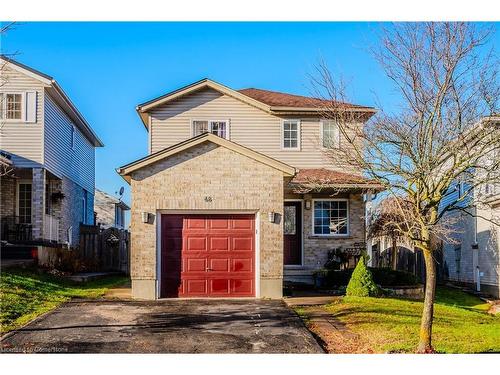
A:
(52, 150)
(474, 256)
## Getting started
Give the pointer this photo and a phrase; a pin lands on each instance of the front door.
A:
(292, 232)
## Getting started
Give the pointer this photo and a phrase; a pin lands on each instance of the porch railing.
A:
(12, 230)
(51, 228)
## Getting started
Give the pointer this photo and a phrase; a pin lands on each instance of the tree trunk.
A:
(394, 254)
(425, 344)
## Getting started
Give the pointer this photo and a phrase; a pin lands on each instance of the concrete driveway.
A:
(173, 326)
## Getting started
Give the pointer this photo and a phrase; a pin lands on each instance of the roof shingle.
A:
(280, 99)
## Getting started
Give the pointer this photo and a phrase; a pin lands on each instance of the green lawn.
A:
(461, 324)
(27, 293)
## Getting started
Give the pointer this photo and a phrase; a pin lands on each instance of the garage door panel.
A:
(216, 254)
(242, 243)
(219, 265)
(241, 286)
(195, 287)
(242, 265)
(242, 223)
(195, 223)
(195, 243)
(219, 243)
(219, 223)
(195, 265)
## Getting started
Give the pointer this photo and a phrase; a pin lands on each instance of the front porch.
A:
(324, 222)
(30, 211)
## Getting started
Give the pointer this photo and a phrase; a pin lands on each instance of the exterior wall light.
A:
(308, 204)
(271, 216)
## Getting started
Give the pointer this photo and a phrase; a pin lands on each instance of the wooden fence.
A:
(108, 248)
(409, 261)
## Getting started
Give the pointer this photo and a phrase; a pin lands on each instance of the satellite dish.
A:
(122, 189)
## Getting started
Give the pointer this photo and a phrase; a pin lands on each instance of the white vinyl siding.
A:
(22, 137)
(249, 126)
(67, 151)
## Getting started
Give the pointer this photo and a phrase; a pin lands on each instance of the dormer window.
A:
(217, 127)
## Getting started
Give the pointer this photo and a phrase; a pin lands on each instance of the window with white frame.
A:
(331, 218)
(291, 134)
(11, 106)
(217, 127)
(330, 134)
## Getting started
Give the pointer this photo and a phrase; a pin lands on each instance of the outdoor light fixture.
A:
(271, 216)
(308, 204)
(145, 217)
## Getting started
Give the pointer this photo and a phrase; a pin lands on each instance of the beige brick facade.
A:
(207, 177)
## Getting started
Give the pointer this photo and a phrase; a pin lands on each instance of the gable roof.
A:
(58, 94)
(269, 101)
(127, 169)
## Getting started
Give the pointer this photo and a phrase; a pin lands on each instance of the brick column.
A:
(38, 203)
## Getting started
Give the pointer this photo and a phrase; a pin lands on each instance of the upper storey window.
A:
(11, 106)
(218, 127)
(291, 135)
(330, 134)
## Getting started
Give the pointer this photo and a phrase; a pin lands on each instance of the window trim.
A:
(3, 107)
(321, 136)
(282, 137)
(210, 120)
(348, 217)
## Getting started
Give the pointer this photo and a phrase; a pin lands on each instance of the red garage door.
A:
(207, 256)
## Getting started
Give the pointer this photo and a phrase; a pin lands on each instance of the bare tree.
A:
(444, 131)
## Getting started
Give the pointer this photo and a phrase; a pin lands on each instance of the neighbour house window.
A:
(331, 217)
(330, 134)
(217, 127)
(291, 134)
(11, 106)
(118, 216)
(24, 203)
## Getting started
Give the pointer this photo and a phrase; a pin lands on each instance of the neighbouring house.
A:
(48, 158)
(473, 258)
(222, 206)
(109, 211)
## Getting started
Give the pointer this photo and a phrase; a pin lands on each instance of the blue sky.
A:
(108, 68)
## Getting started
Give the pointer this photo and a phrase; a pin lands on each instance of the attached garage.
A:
(200, 221)
(207, 256)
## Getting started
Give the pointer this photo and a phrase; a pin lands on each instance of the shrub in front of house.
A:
(361, 283)
(385, 277)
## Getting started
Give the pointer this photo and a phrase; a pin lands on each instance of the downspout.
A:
(475, 254)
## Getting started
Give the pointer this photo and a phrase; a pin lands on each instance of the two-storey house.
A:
(48, 160)
(222, 205)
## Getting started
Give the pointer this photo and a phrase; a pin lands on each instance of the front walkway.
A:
(173, 326)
